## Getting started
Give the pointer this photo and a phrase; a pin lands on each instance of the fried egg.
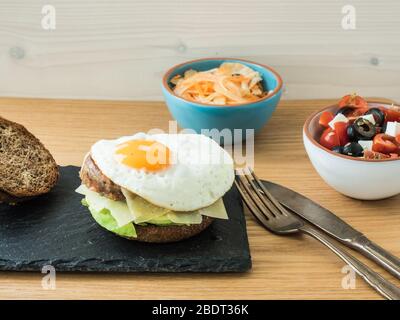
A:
(180, 172)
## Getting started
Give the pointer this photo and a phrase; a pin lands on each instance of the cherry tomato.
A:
(386, 144)
(391, 115)
(352, 113)
(325, 118)
(329, 139)
(341, 131)
(353, 100)
(356, 113)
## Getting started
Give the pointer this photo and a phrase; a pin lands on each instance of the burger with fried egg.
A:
(156, 188)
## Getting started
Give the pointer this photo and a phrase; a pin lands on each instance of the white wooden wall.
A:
(119, 49)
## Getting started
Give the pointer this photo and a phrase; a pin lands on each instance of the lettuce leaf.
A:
(106, 220)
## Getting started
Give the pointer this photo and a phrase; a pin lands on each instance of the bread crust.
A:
(53, 172)
(95, 180)
(173, 233)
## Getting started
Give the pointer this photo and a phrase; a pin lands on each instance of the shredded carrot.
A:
(231, 83)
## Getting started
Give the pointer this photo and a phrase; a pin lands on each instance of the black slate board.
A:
(55, 229)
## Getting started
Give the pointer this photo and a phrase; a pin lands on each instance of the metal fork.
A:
(275, 218)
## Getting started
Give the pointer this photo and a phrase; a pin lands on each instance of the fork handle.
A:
(378, 254)
(384, 287)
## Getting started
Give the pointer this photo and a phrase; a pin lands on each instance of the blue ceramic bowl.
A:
(200, 116)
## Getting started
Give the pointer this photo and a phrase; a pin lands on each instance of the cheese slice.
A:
(82, 189)
(193, 217)
(118, 209)
(137, 210)
(142, 210)
(216, 210)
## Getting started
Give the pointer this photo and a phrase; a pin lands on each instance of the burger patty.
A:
(95, 180)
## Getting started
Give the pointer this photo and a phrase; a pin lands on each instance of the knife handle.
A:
(378, 254)
(380, 284)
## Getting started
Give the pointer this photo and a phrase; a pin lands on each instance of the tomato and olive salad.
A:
(358, 130)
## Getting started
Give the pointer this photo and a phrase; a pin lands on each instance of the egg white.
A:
(201, 171)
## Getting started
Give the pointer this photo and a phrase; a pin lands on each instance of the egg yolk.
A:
(144, 154)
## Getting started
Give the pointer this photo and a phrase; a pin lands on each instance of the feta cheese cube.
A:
(393, 129)
(370, 118)
(339, 118)
(366, 144)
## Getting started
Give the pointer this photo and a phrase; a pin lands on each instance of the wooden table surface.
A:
(283, 267)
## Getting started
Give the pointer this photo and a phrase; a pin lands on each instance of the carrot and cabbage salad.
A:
(230, 83)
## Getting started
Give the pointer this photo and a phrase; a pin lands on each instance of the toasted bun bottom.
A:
(164, 234)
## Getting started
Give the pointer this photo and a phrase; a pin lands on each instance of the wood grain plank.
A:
(120, 49)
(283, 267)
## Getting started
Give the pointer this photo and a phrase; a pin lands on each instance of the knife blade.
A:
(334, 226)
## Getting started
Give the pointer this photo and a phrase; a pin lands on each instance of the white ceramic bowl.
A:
(354, 177)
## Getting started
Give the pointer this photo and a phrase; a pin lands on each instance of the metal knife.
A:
(334, 226)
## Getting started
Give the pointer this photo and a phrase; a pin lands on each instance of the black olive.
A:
(351, 133)
(345, 110)
(384, 127)
(378, 114)
(364, 129)
(353, 149)
(338, 149)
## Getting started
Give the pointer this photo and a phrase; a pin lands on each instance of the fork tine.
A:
(284, 223)
(245, 197)
(280, 208)
(252, 208)
(254, 197)
(264, 200)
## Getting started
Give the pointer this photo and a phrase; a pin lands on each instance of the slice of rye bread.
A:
(27, 168)
(95, 180)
